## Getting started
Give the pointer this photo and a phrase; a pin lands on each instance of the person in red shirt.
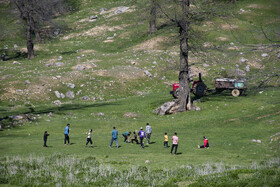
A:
(175, 143)
(206, 143)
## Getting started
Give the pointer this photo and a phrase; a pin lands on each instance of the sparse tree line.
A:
(37, 14)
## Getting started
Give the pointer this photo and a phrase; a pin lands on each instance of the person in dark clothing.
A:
(206, 143)
(45, 139)
(66, 134)
(134, 138)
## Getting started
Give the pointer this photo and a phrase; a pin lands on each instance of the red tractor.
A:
(198, 88)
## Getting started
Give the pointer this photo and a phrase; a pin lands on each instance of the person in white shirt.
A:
(148, 132)
(89, 138)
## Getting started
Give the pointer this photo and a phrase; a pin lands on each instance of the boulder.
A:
(27, 82)
(264, 55)
(79, 92)
(58, 64)
(70, 85)
(93, 17)
(247, 68)
(147, 73)
(239, 73)
(70, 95)
(121, 9)
(57, 94)
(57, 102)
(165, 108)
(243, 60)
(85, 98)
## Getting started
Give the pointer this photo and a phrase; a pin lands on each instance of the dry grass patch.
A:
(255, 64)
(255, 6)
(228, 27)
(222, 38)
(98, 30)
(152, 44)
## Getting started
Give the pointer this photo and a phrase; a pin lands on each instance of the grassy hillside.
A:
(102, 62)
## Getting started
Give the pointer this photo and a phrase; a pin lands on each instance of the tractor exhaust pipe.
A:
(199, 77)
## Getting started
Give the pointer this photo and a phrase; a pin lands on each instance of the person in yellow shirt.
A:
(165, 144)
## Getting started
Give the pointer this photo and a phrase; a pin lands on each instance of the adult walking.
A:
(148, 132)
(89, 138)
(66, 134)
(114, 137)
(142, 135)
(175, 140)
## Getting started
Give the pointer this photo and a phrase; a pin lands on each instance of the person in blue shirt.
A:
(114, 137)
(66, 134)
(142, 135)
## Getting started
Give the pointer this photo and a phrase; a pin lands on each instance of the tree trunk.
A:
(184, 99)
(153, 17)
(30, 45)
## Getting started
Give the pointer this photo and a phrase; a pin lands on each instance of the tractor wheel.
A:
(176, 93)
(199, 89)
(235, 92)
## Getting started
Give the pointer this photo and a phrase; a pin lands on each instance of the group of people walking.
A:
(128, 137)
(135, 137)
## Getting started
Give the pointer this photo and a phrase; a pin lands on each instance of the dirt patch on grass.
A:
(117, 10)
(222, 39)
(121, 72)
(255, 64)
(255, 6)
(125, 35)
(228, 27)
(87, 51)
(99, 30)
(153, 43)
(260, 117)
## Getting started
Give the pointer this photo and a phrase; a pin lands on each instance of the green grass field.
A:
(115, 83)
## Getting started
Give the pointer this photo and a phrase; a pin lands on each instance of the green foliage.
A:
(74, 5)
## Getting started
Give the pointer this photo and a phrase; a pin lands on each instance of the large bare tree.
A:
(34, 13)
(153, 17)
(185, 13)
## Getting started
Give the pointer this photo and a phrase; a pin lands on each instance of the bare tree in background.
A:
(153, 16)
(184, 13)
(34, 13)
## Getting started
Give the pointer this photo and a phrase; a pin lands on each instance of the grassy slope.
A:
(229, 123)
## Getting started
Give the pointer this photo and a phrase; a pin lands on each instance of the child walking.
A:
(165, 144)
(89, 138)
